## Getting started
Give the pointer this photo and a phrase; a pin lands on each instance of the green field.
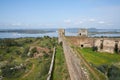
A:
(108, 64)
(99, 58)
(60, 71)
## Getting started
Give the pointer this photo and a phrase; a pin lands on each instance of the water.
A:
(106, 35)
(54, 33)
(19, 35)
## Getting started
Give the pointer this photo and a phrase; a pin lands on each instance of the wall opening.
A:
(80, 34)
(101, 44)
(82, 45)
(116, 47)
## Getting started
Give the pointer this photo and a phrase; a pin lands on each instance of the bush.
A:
(18, 52)
(94, 48)
(34, 50)
(9, 71)
(25, 52)
(113, 73)
(103, 68)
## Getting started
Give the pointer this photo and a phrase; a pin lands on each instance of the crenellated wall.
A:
(109, 45)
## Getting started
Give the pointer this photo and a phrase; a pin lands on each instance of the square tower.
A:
(83, 32)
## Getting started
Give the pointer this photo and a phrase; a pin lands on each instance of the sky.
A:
(35, 14)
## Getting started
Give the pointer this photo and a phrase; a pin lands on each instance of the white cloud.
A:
(78, 22)
(101, 22)
(50, 24)
(67, 21)
(92, 20)
(16, 24)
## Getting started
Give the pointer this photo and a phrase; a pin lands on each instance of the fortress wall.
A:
(119, 46)
(61, 33)
(79, 41)
(108, 46)
(103, 44)
(107, 43)
(86, 42)
(97, 43)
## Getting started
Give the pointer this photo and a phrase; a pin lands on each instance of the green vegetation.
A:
(98, 58)
(26, 58)
(104, 62)
(60, 71)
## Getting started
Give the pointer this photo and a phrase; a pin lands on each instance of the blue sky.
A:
(25, 14)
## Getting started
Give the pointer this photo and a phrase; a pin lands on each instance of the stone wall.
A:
(83, 32)
(103, 44)
(78, 67)
(109, 45)
(61, 32)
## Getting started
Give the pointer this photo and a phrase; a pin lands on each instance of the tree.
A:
(94, 48)
(34, 50)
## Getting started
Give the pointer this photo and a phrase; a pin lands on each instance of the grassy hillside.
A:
(60, 71)
(26, 58)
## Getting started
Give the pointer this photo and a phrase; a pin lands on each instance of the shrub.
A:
(114, 73)
(26, 50)
(94, 48)
(9, 71)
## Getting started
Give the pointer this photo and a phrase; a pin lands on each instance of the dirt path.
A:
(76, 70)
(33, 66)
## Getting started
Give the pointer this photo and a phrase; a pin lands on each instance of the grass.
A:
(41, 64)
(103, 62)
(99, 58)
(60, 71)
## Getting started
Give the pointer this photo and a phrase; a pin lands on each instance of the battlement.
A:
(83, 33)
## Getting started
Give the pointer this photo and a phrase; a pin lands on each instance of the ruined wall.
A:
(109, 45)
(61, 33)
(103, 44)
(81, 41)
(119, 47)
(77, 65)
(83, 32)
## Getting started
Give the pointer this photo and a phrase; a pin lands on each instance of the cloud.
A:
(101, 22)
(16, 24)
(92, 20)
(50, 24)
(67, 21)
(78, 22)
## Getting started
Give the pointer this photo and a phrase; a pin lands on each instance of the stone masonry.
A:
(109, 45)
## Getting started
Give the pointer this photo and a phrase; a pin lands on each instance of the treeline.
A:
(4, 43)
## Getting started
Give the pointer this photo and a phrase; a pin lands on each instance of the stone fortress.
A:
(104, 44)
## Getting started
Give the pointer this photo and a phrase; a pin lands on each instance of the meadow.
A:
(106, 63)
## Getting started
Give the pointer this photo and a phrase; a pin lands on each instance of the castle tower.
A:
(83, 33)
(61, 34)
